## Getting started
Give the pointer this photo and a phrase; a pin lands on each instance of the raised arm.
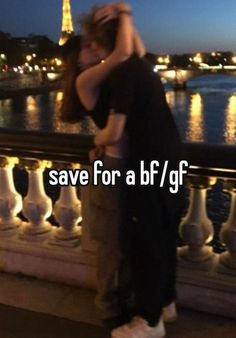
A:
(88, 82)
(139, 47)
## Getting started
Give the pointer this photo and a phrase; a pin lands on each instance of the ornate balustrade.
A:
(206, 279)
(59, 248)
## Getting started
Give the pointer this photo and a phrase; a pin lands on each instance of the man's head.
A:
(101, 35)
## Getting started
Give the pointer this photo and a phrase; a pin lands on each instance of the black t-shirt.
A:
(135, 90)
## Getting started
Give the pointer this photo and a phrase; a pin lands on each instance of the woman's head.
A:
(77, 56)
(77, 52)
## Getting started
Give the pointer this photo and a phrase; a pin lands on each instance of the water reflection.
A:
(59, 97)
(205, 112)
(195, 129)
(85, 127)
(230, 121)
(32, 120)
(5, 111)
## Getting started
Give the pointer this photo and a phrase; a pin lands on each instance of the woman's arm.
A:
(139, 47)
(87, 83)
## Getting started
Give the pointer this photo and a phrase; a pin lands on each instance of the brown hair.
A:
(103, 34)
(72, 109)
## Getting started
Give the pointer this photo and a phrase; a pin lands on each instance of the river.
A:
(205, 112)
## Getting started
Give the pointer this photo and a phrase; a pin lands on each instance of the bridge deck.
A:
(47, 305)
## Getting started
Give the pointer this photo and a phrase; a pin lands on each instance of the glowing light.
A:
(204, 66)
(159, 67)
(58, 62)
(195, 132)
(34, 55)
(67, 24)
(59, 97)
(32, 113)
(53, 76)
(31, 103)
(197, 58)
(230, 67)
(3, 56)
(167, 60)
(234, 59)
(163, 59)
(213, 54)
(36, 67)
(171, 74)
(230, 121)
(28, 58)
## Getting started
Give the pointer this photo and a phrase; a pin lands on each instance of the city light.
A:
(167, 60)
(3, 56)
(58, 62)
(28, 58)
(197, 58)
(234, 59)
(163, 59)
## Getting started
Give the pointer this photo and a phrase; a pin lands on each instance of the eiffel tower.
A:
(67, 29)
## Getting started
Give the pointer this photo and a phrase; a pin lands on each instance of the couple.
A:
(135, 227)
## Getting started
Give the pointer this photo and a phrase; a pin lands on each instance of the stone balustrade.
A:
(49, 238)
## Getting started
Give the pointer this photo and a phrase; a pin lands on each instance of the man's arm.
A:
(113, 131)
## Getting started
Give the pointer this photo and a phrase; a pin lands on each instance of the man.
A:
(135, 94)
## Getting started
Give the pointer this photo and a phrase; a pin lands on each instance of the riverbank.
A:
(40, 89)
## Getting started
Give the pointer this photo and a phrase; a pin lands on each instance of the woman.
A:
(82, 85)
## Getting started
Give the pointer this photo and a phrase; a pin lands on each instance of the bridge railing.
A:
(45, 232)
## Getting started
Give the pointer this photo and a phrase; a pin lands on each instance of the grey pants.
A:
(107, 210)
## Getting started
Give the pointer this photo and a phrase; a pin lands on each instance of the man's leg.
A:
(109, 259)
(106, 220)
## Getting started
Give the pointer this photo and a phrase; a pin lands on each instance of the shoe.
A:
(139, 328)
(169, 313)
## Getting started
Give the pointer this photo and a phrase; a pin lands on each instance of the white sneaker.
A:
(169, 313)
(139, 328)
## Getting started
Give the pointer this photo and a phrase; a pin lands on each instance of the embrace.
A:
(108, 78)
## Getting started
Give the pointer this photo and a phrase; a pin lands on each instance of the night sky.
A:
(167, 26)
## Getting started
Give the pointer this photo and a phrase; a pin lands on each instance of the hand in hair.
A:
(106, 13)
(111, 11)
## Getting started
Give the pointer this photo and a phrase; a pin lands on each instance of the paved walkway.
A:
(38, 309)
(17, 323)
